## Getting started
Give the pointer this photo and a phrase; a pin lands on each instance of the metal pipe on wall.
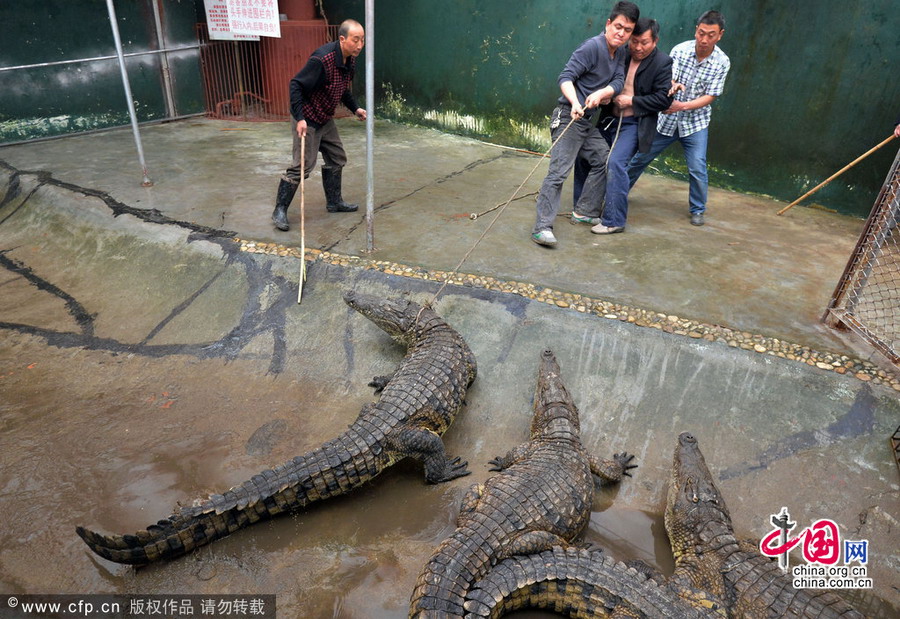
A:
(56, 63)
(129, 99)
(370, 125)
(164, 61)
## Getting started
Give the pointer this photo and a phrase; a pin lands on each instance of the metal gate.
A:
(867, 298)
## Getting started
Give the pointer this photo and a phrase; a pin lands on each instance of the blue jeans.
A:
(695, 155)
(581, 138)
(615, 210)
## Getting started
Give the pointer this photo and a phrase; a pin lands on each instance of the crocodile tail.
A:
(441, 588)
(574, 582)
(167, 539)
(320, 474)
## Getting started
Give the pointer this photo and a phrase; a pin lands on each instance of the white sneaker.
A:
(601, 229)
(545, 238)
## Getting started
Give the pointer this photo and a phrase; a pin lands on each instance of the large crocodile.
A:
(417, 404)
(709, 557)
(541, 498)
(580, 583)
(715, 573)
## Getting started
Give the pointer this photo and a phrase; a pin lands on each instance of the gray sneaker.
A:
(697, 219)
(582, 219)
(545, 238)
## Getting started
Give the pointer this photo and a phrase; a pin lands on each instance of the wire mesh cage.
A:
(867, 298)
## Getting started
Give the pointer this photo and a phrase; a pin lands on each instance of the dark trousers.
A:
(326, 140)
(581, 138)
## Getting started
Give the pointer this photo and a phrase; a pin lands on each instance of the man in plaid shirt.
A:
(699, 69)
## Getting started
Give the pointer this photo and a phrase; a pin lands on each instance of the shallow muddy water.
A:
(126, 390)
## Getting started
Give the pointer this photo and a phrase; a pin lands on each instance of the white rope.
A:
(474, 216)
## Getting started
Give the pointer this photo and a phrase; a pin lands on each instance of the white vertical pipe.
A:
(129, 99)
(164, 60)
(370, 125)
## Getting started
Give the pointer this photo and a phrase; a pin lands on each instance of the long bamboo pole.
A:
(302, 218)
(835, 175)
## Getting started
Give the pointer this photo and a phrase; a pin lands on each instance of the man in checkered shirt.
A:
(699, 69)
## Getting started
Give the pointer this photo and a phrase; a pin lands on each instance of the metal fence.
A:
(249, 80)
(867, 298)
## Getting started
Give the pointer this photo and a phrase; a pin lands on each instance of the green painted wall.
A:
(813, 84)
(61, 99)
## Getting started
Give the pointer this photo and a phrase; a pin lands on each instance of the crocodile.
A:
(418, 402)
(715, 573)
(541, 497)
(581, 583)
(709, 557)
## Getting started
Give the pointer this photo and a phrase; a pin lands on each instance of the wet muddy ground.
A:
(146, 362)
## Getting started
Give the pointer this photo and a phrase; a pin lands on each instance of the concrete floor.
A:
(747, 268)
(183, 365)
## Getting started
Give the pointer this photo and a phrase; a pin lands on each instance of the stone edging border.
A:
(865, 371)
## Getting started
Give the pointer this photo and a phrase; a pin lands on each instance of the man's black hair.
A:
(643, 25)
(628, 10)
(712, 18)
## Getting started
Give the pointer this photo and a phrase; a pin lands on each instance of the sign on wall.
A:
(242, 20)
(254, 17)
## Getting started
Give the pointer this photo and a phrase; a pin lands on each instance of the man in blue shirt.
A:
(593, 76)
(699, 69)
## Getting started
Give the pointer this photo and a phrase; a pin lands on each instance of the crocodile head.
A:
(395, 316)
(555, 413)
(695, 510)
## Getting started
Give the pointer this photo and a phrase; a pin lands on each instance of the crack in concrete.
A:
(179, 309)
(83, 318)
(255, 320)
(858, 421)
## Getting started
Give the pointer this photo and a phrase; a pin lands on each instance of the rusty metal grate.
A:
(867, 298)
(249, 80)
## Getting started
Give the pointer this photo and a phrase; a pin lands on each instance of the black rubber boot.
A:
(331, 181)
(286, 191)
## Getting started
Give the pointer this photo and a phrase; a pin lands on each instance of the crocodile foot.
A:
(380, 382)
(451, 470)
(496, 464)
(624, 460)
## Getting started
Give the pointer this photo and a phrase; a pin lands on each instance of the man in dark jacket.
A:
(633, 114)
(315, 92)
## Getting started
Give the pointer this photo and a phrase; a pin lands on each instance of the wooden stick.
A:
(835, 175)
(302, 218)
